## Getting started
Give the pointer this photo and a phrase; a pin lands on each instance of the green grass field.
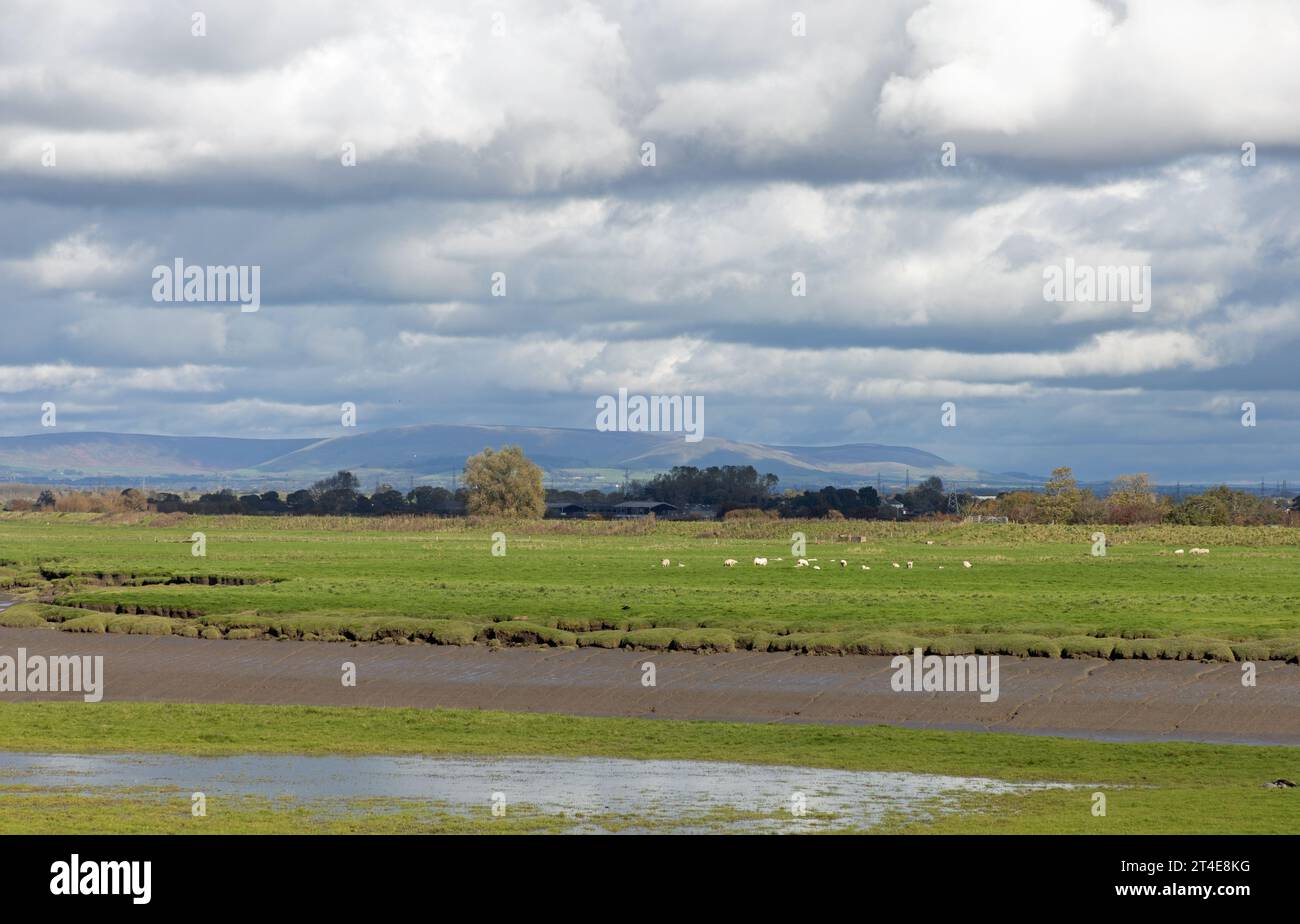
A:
(1032, 590)
(1150, 788)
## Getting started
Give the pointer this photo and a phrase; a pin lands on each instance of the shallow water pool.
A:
(679, 794)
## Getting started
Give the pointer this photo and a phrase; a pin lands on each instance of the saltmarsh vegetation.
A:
(1032, 590)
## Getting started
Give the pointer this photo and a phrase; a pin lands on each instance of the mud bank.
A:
(1106, 700)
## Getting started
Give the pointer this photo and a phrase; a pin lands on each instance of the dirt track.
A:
(1117, 700)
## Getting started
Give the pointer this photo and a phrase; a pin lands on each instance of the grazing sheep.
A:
(929, 542)
(843, 563)
(665, 563)
(965, 564)
(761, 562)
(729, 563)
(801, 563)
(909, 564)
(817, 567)
(681, 564)
(896, 565)
(866, 567)
(1180, 551)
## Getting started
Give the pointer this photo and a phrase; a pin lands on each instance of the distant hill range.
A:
(431, 453)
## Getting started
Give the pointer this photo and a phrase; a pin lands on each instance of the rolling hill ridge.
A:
(432, 452)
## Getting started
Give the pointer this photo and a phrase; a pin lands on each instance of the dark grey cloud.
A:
(1103, 133)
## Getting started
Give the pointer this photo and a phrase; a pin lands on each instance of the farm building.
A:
(629, 509)
(566, 511)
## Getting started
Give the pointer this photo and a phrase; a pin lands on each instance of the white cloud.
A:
(79, 262)
(398, 79)
(65, 377)
(1069, 79)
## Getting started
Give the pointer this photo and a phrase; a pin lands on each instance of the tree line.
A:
(1132, 499)
(506, 483)
(496, 483)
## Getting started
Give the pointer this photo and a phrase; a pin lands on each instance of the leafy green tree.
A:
(427, 499)
(926, 497)
(342, 481)
(1132, 499)
(1061, 497)
(504, 483)
(337, 502)
(1238, 508)
(728, 486)
(387, 500)
(1200, 510)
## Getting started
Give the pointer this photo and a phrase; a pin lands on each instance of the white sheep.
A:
(929, 542)
(896, 565)
(909, 564)
(665, 562)
(729, 563)
(801, 563)
(817, 567)
(843, 563)
(1180, 551)
(965, 564)
(866, 567)
(761, 562)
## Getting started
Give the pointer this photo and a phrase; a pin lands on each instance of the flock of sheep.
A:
(808, 562)
(800, 563)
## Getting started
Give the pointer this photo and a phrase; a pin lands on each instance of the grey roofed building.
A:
(566, 510)
(642, 508)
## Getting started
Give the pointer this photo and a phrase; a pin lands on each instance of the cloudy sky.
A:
(508, 137)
